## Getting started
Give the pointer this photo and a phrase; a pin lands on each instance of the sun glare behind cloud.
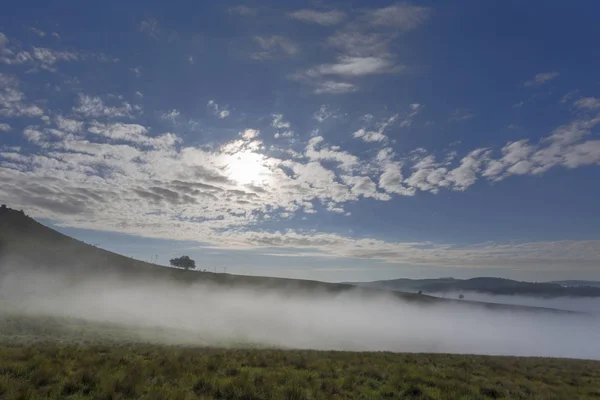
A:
(247, 168)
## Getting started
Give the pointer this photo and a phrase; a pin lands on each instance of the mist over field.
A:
(212, 314)
(589, 305)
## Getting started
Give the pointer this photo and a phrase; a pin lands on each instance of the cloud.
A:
(218, 111)
(5, 127)
(542, 78)
(459, 115)
(588, 103)
(137, 71)
(286, 134)
(274, 46)
(334, 87)
(316, 151)
(12, 100)
(279, 122)
(323, 113)
(149, 27)
(250, 134)
(361, 44)
(365, 187)
(325, 18)
(94, 107)
(378, 134)
(355, 66)
(38, 32)
(244, 11)
(118, 185)
(404, 17)
(362, 54)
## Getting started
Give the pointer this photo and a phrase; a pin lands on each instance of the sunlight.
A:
(246, 167)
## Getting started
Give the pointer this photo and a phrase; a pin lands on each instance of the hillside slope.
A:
(26, 244)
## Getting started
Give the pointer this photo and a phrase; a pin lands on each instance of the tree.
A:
(461, 296)
(184, 262)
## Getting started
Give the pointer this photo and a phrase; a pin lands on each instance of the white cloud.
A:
(274, 46)
(400, 16)
(218, 111)
(542, 78)
(243, 11)
(355, 66)
(37, 31)
(137, 71)
(378, 134)
(361, 44)
(326, 18)
(588, 103)
(115, 176)
(334, 87)
(364, 186)
(12, 100)
(68, 124)
(323, 113)
(5, 127)
(467, 172)
(94, 107)
(250, 134)
(286, 134)
(316, 151)
(149, 27)
(279, 123)
(459, 115)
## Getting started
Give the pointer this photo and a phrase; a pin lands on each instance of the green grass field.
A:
(163, 372)
(57, 358)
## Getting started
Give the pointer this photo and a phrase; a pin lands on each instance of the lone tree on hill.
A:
(184, 262)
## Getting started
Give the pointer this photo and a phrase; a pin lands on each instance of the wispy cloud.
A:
(244, 11)
(325, 18)
(399, 16)
(218, 111)
(542, 78)
(94, 107)
(274, 46)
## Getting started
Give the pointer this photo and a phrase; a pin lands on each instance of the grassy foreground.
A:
(144, 371)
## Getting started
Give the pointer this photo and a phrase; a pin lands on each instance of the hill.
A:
(28, 244)
(577, 283)
(495, 286)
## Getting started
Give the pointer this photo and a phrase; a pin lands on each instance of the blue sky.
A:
(322, 140)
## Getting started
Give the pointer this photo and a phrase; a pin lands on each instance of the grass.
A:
(167, 372)
(54, 358)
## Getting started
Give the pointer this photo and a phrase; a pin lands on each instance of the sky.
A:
(337, 141)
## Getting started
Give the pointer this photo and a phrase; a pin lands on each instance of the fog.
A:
(589, 305)
(210, 314)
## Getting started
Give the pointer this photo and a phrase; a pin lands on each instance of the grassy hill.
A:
(54, 358)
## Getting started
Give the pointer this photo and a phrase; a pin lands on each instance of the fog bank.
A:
(348, 321)
(589, 305)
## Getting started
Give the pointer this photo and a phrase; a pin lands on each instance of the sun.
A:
(247, 168)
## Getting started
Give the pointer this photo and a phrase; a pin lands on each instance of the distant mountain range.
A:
(495, 286)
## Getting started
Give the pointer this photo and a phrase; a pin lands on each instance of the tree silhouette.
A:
(184, 262)
(461, 296)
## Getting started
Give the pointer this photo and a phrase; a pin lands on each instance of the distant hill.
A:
(496, 286)
(577, 283)
(27, 244)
